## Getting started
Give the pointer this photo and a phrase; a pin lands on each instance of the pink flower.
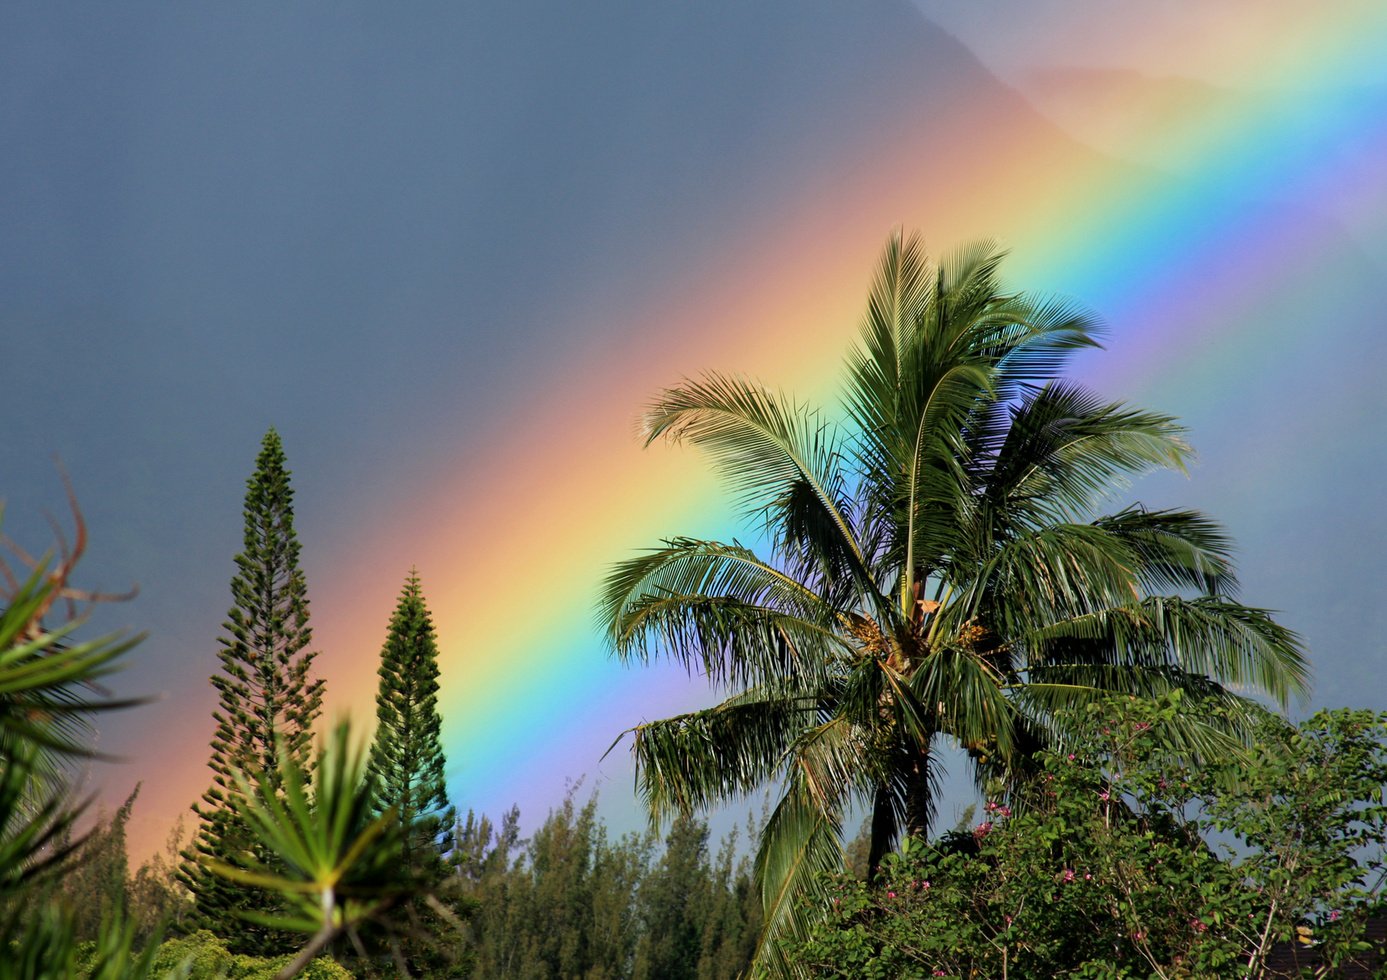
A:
(1088, 876)
(890, 894)
(1068, 875)
(982, 829)
(1198, 925)
(1334, 916)
(1070, 757)
(1105, 796)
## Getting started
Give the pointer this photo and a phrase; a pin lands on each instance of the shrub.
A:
(1114, 860)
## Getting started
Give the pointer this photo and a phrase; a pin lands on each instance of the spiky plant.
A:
(332, 858)
(48, 692)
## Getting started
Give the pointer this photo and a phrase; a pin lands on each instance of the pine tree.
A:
(158, 899)
(95, 887)
(674, 902)
(267, 703)
(407, 755)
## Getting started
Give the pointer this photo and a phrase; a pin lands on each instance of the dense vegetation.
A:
(942, 568)
(327, 858)
(1120, 859)
(567, 901)
(571, 902)
(407, 763)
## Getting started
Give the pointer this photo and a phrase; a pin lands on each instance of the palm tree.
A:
(935, 570)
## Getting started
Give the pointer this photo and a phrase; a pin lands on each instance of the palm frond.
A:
(1231, 643)
(1052, 573)
(932, 477)
(1212, 723)
(709, 757)
(720, 610)
(1177, 549)
(965, 696)
(835, 760)
(799, 846)
(1035, 336)
(48, 684)
(35, 833)
(1223, 641)
(762, 444)
(46, 687)
(901, 288)
(1066, 450)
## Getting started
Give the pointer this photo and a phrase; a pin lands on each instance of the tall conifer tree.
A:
(407, 755)
(267, 702)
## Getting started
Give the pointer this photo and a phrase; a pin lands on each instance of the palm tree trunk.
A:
(919, 799)
(883, 831)
(919, 810)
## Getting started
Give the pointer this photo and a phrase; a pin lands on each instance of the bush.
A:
(203, 956)
(1117, 861)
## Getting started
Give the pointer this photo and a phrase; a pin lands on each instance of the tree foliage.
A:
(203, 956)
(267, 701)
(572, 902)
(95, 889)
(407, 761)
(407, 765)
(332, 860)
(942, 564)
(698, 913)
(158, 898)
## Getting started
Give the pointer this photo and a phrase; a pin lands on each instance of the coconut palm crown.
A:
(940, 567)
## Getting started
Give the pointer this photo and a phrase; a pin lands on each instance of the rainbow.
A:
(1190, 272)
(1278, 208)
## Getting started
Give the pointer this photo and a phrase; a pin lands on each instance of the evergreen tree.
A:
(407, 756)
(565, 906)
(157, 897)
(675, 899)
(734, 919)
(267, 703)
(481, 850)
(94, 888)
(573, 902)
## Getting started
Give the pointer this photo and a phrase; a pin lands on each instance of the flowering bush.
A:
(1115, 860)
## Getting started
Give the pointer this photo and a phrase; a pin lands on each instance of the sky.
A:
(451, 250)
